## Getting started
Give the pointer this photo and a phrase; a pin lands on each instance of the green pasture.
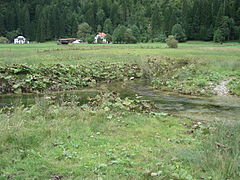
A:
(51, 53)
(48, 141)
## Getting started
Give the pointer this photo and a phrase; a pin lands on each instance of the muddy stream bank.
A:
(226, 108)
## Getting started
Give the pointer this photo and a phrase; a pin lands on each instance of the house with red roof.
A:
(101, 38)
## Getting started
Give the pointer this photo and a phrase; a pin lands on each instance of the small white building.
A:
(20, 40)
(101, 38)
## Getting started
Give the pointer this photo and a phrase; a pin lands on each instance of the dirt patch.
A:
(222, 88)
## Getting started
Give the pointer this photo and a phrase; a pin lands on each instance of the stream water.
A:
(226, 108)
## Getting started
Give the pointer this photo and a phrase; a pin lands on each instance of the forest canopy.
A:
(144, 20)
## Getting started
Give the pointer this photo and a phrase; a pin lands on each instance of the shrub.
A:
(162, 38)
(129, 37)
(84, 30)
(179, 33)
(90, 39)
(218, 36)
(3, 40)
(172, 42)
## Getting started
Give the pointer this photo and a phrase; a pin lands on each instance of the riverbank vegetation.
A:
(28, 79)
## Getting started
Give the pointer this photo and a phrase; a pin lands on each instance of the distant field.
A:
(51, 53)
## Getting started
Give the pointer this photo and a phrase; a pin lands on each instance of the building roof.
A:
(19, 37)
(102, 34)
(67, 39)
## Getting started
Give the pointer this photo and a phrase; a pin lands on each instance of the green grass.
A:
(218, 155)
(51, 53)
(48, 140)
(45, 141)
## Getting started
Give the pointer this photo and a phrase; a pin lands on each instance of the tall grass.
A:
(48, 140)
(218, 154)
(225, 65)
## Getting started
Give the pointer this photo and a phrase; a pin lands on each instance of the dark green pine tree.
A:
(41, 28)
(156, 20)
(114, 16)
(2, 25)
(108, 26)
(106, 6)
(219, 16)
(90, 18)
(26, 22)
(124, 9)
(100, 17)
(185, 16)
(196, 22)
(237, 17)
(10, 20)
(53, 23)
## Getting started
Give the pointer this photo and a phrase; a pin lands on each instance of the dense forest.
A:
(142, 20)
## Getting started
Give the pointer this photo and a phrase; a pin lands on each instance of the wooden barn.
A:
(66, 40)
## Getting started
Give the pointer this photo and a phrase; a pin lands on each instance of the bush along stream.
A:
(27, 79)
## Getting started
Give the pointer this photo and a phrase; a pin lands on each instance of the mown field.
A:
(51, 53)
(112, 137)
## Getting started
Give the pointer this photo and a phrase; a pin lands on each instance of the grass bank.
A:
(111, 138)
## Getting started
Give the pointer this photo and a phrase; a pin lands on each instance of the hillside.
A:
(43, 20)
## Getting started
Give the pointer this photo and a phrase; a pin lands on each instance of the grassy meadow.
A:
(112, 137)
(51, 53)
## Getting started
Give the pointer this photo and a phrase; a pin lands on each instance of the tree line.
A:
(122, 20)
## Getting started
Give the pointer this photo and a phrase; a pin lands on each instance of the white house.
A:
(101, 38)
(20, 40)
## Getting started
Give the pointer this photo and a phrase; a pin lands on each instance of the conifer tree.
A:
(100, 17)
(108, 26)
(2, 25)
(26, 22)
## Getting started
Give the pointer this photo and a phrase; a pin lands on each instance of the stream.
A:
(225, 108)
